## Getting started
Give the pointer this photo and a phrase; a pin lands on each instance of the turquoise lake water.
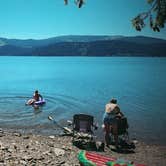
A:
(84, 85)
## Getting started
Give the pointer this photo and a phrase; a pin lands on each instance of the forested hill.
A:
(85, 46)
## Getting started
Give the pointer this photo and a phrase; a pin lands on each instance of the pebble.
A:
(25, 137)
(58, 152)
(23, 162)
(17, 134)
(51, 136)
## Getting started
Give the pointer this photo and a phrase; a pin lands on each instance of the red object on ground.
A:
(99, 160)
(94, 159)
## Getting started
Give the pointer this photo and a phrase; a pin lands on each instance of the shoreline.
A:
(31, 149)
(56, 131)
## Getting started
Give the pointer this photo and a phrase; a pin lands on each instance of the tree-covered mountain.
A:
(85, 46)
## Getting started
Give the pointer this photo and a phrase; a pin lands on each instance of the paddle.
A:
(61, 127)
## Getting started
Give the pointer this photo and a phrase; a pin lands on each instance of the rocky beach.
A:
(29, 149)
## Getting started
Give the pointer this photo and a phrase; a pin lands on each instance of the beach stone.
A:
(16, 162)
(14, 146)
(1, 160)
(66, 148)
(23, 162)
(134, 140)
(10, 150)
(47, 162)
(2, 134)
(37, 142)
(25, 137)
(17, 134)
(39, 158)
(60, 163)
(28, 158)
(58, 152)
(51, 144)
(46, 153)
(51, 136)
(5, 148)
(66, 164)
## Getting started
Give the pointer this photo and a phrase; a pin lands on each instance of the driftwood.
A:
(78, 135)
(67, 130)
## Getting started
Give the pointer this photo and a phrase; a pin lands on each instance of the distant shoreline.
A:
(85, 46)
(113, 56)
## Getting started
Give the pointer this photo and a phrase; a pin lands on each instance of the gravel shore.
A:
(20, 150)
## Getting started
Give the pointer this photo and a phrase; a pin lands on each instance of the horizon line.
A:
(80, 35)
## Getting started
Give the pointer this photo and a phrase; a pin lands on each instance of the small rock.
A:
(17, 134)
(27, 158)
(66, 148)
(16, 162)
(10, 150)
(23, 162)
(5, 148)
(51, 136)
(59, 163)
(2, 134)
(25, 137)
(66, 164)
(62, 162)
(37, 142)
(135, 141)
(51, 144)
(1, 131)
(1, 160)
(39, 158)
(58, 151)
(15, 147)
(46, 153)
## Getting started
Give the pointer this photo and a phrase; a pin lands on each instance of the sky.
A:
(39, 19)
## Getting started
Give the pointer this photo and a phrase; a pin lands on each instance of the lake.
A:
(73, 85)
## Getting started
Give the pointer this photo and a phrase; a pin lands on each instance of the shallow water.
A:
(84, 85)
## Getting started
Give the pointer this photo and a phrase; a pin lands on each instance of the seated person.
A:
(36, 97)
(112, 111)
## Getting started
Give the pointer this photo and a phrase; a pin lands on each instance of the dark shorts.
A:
(109, 119)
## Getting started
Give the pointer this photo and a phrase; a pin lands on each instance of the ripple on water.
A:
(15, 114)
